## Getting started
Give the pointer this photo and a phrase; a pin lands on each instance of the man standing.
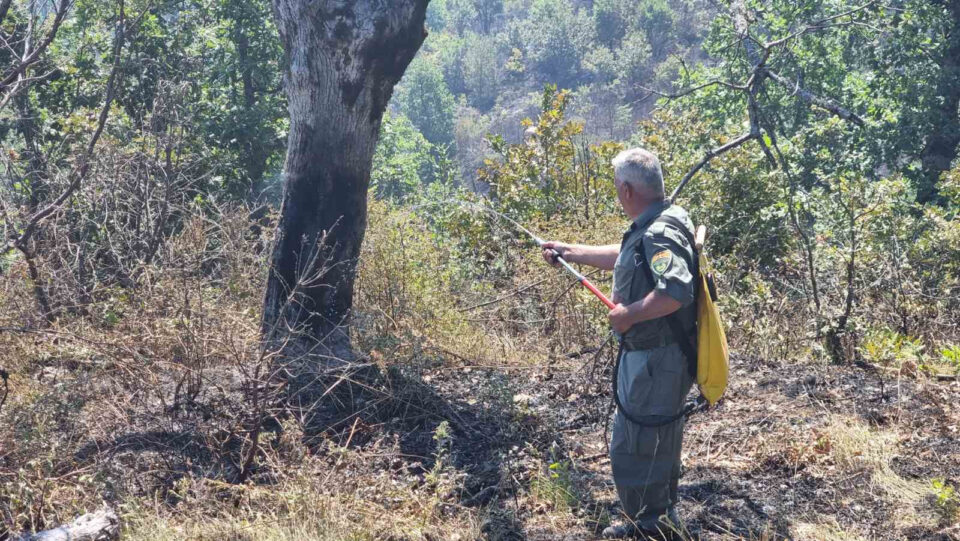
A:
(653, 283)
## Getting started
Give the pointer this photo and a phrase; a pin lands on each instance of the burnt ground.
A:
(795, 451)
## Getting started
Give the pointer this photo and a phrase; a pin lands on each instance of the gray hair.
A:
(639, 168)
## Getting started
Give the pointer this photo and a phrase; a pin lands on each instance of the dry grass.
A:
(858, 449)
(828, 530)
(309, 504)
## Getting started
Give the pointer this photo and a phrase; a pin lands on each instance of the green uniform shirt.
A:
(667, 252)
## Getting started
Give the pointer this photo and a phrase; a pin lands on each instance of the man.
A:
(653, 377)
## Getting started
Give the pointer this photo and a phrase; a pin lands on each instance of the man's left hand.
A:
(621, 318)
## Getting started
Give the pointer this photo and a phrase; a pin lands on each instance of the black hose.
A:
(692, 407)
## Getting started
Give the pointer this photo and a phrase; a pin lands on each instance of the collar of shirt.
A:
(647, 216)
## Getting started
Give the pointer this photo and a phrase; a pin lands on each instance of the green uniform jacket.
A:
(667, 251)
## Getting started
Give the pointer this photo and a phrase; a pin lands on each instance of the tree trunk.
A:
(941, 146)
(343, 60)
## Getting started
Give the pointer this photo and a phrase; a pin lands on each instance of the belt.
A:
(658, 340)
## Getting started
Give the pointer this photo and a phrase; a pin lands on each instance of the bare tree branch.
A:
(711, 154)
(6, 387)
(22, 84)
(814, 99)
(83, 165)
(758, 59)
(818, 25)
(34, 55)
(691, 90)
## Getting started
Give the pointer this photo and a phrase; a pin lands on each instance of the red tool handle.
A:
(593, 289)
(583, 280)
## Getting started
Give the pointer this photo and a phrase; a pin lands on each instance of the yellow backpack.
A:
(712, 354)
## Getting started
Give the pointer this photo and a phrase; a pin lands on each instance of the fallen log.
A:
(102, 525)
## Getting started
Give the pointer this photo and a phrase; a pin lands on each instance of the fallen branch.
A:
(102, 525)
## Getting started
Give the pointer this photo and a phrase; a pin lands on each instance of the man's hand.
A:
(621, 318)
(551, 249)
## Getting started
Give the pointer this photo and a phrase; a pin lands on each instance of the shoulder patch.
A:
(660, 261)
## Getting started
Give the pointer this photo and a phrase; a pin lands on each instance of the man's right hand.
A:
(553, 248)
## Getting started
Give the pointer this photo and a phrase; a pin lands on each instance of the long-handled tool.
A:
(556, 256)
(581, 278)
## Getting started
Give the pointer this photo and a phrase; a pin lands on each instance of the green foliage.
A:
(403, 162)
(437, 15)
(557, 37)
(601, 63)
(555, 485)
(476, 15)
(950, 356)
(946, 501)
(870, 66)
(424, 99)
(634, 58)
(890, 348)
(655, 19)
(736, 198)
(611, 18)
(554, 172)
(482, 71)
(215, 62)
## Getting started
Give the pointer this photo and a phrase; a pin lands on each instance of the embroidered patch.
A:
(661, 261)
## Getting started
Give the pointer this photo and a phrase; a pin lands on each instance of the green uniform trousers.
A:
(652, 385)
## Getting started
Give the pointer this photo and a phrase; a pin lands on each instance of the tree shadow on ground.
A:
(489, 433)
(717, 506)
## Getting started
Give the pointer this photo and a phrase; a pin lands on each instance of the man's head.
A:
(639, 180)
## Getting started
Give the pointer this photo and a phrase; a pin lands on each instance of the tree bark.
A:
(941, 145)
(343, 60)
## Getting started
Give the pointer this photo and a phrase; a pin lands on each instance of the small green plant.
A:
(951, 357)
(947, 501)
(555, 485)
(444, 439)
(890, 348)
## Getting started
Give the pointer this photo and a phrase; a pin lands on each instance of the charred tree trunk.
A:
(941, 146)
(343, 60)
